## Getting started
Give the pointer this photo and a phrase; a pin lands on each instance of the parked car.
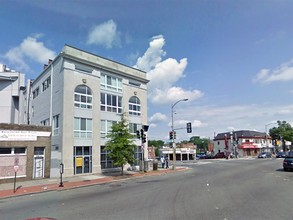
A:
(288, 163)
(281, 154)
(220, 155)
(201, 156)
(265, 155)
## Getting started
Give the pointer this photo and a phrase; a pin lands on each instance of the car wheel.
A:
(285, 169)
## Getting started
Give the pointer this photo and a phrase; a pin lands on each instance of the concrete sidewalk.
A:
(45, 185)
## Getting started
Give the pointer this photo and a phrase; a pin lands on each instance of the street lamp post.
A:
(173, 134)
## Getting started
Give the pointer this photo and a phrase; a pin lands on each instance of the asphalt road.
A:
(212, 189)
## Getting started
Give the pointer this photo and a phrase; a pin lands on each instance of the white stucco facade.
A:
(79, 121)
(11, 84)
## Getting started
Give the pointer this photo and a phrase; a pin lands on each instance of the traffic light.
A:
(188, 127)
(144, 138)
(174, 134)
(138, 134)
(171, 135)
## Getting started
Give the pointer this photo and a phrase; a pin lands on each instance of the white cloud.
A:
(104, 34)
(198, 124)
(157, 117)
(283, 73)
(166, 73)
(153, 54)
(163, 74)
(30, 48)
(173, 94)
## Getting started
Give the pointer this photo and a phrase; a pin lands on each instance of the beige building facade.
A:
(81, 95)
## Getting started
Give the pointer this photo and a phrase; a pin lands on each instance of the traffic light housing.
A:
(171, 135)
(144, 138)
(188, 127)
(138, 134)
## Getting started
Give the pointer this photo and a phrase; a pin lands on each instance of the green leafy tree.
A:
(201, 143)
(120, 145)
(158, 144)
(284, 132)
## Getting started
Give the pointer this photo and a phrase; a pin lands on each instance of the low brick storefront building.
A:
(25, 150)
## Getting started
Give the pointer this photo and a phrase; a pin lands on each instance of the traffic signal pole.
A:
(173, 133)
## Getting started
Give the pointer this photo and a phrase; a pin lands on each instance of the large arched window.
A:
(83, 97)
(134, 106)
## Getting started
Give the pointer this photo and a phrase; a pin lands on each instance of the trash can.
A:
(155, 165)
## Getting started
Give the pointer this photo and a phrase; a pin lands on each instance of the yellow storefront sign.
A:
(78, 161)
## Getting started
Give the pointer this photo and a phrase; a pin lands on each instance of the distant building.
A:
(81, 95)
(151, 152)
(11, 85)
(26, 150)
(244, 142)
(185, 151)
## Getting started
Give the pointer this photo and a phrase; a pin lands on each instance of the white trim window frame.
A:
(134, 106)
(111, 83)
(46, 84)
(83, 97)
(13, 151)
(111, 103)
(133, 127)
(106, 126)
(83, 128)
(55, 125)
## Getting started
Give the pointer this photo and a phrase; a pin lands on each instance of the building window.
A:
(137, 155)
(12, 150)
(83, 97)
(111, 103)
(106, 160)
(39, 151)
(111, 83)
(36, 92)
(134, 83)
(106, 127)
(134, 127)
(55, 125)
(134, 106)
(46, 84)
(83, 127)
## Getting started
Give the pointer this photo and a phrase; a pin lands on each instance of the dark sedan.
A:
(288, 163)
(281, 154)
(265, 155)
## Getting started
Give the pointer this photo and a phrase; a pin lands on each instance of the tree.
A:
(157, 144)
(120, 144)
(283, 132)
(201, 143)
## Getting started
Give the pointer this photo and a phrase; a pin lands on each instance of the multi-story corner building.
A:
(11, 85)
(243, 142)
(81, 95)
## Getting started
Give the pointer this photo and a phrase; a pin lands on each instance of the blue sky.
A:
(233, 59)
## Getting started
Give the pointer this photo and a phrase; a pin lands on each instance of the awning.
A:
(248, 146)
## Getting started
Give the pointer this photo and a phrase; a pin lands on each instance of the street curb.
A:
(31, 190)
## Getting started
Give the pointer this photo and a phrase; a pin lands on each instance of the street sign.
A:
(16, 168)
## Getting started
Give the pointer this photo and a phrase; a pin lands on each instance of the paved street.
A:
(211, 189)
